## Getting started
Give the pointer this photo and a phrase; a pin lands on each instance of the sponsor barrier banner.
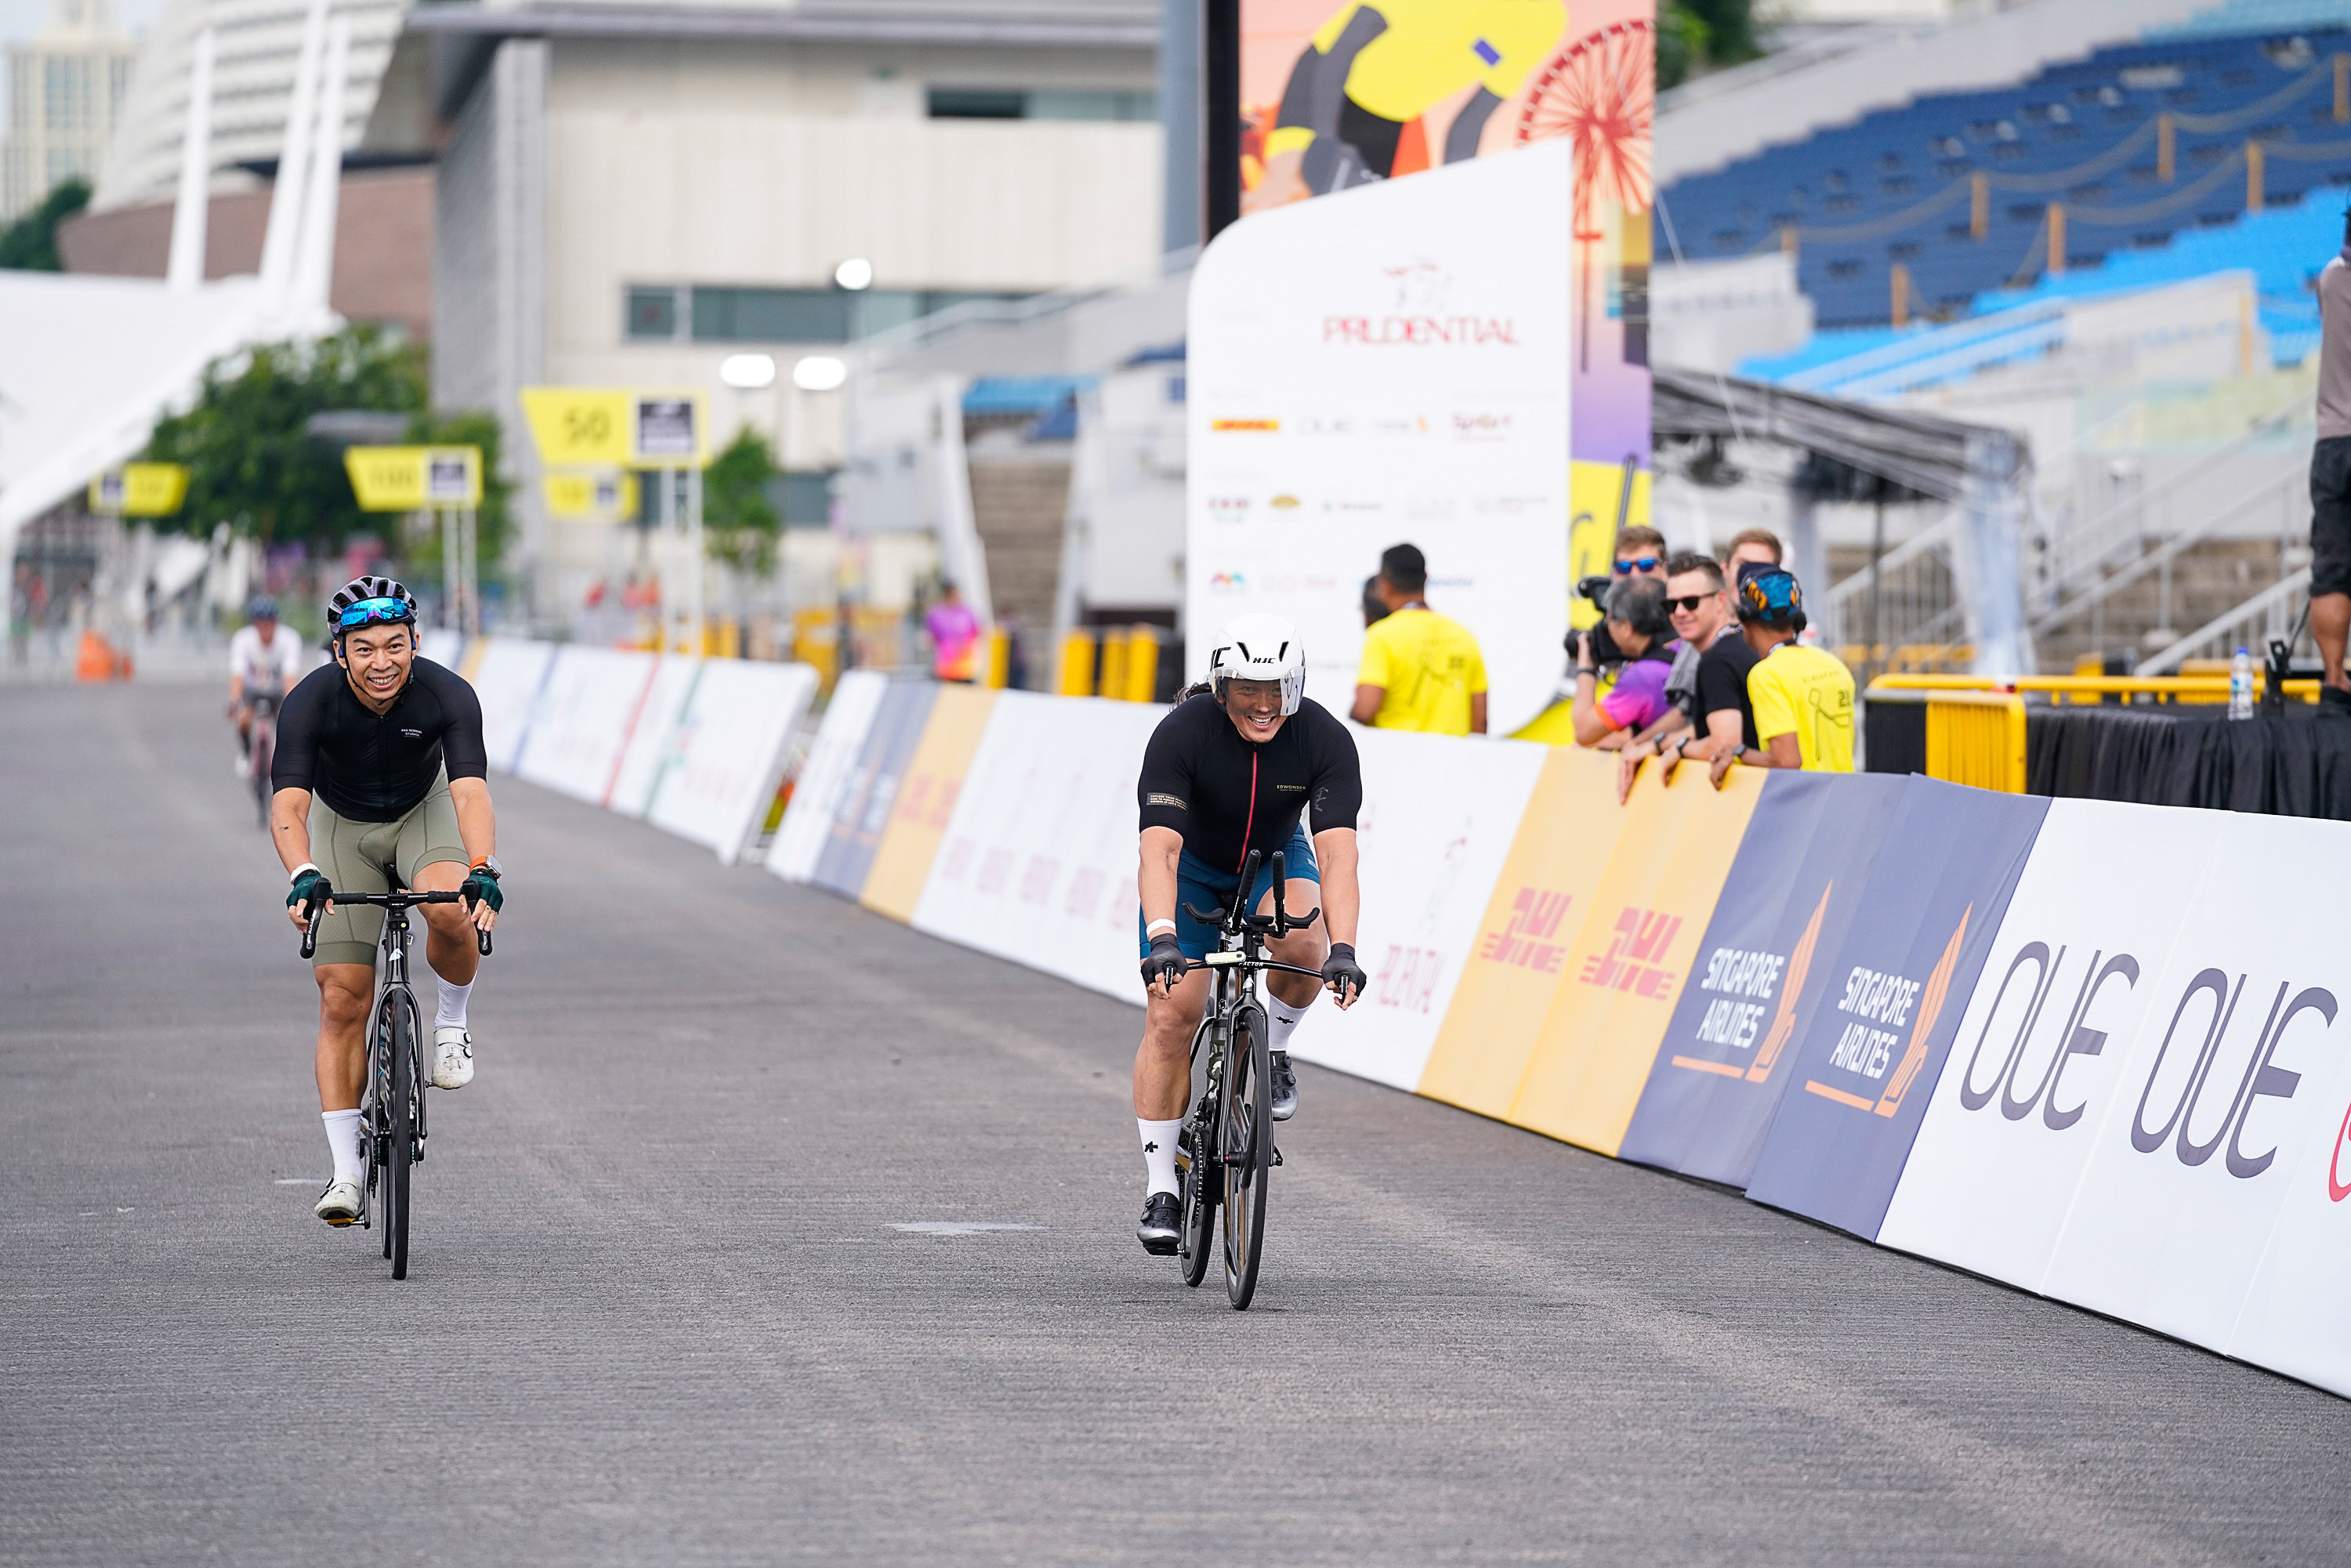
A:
(1867, 1062)
(864, 809)
(444, 646)
(1760, 972)
(831, 762)
(2226, 1095)
(506, 678)
(1518, 956)
(2292, 1319)
(2039, 1060)
(1632, 954)
(728, 754)
(582, 719)
(1039, 860)
(1437, 824)
(925, 804)
(646, 752)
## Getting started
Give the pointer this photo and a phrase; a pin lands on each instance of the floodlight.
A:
(818, 372)
(747, 372)
(854, 274)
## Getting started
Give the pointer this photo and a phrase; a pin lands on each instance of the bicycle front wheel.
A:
(401, 1124)
(264, 751)
(1199, 1200)
(1247, 1151)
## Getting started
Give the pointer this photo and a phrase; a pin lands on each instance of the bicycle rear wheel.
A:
(264, 750)
(1246, 1149)
(400, 1154)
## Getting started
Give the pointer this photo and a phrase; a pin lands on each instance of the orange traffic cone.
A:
(96, 659)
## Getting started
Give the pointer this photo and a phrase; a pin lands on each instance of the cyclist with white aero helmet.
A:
(1232, 769)
(380, 761)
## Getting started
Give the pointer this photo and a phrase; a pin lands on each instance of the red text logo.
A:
(1526, 942)
(1631, 963)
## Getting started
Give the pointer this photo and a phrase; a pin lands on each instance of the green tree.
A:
(30, 243)
(739, 522)
(1695, 35)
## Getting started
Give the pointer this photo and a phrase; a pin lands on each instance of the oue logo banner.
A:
(1762, 967)
(1868, 1058)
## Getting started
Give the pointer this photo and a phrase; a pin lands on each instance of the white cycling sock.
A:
(343, 1139)
(1159, 1153)
(452, 1005)
(1285, 1020)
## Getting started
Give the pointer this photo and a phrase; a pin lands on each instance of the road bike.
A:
(391, 1100)
(1225, 1150)
(261, 702)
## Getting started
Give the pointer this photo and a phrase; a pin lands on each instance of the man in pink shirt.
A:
(1635, 621)
(954, 636)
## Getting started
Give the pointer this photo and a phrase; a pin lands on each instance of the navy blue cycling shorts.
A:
(1198, 884)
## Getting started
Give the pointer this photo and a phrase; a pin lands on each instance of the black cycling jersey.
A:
(375, 767)
(1227, 796)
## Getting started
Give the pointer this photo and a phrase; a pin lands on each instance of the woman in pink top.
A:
(954, 636)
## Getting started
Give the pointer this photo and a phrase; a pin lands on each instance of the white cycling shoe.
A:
(453, 1057)
(340, 1204)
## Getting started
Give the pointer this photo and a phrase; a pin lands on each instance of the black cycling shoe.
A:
(1285, 1088)
(1161, 1228)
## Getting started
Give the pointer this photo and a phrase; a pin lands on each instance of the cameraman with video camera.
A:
(1630, 640)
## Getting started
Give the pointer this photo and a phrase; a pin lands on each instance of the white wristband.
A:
(1154, 928)
(306, 865)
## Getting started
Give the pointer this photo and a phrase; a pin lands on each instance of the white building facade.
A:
(66, 90)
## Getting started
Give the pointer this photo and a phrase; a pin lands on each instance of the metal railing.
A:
(1903, 610)
(2271, 608)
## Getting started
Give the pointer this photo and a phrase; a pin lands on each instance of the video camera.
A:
(1605, 650)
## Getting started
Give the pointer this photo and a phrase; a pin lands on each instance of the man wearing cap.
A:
(1802, 697)
(1420, 670)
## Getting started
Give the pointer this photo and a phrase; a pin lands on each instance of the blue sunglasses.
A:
(371, 611)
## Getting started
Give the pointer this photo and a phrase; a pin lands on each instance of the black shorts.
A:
(2330, 516)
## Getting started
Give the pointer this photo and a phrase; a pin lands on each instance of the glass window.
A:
(803, 500)
(651, 314)
(1054, 103)
(977, 103)
(770, 315)
(879, 310)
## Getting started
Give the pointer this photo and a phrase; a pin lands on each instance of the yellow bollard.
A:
(996, 669)
(1142, 664)
(1077, 672)
(1114, 663)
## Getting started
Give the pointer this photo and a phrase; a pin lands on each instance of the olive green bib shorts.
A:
(353, 855)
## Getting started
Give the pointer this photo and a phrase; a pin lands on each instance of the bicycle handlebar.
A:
(405, 898)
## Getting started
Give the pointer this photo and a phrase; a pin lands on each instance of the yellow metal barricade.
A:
(1113, 662)
(1076, 675)
(1142, 664)
(1977, 737)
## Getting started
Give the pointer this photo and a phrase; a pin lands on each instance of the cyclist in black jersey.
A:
(1231, 769)
(380, 761)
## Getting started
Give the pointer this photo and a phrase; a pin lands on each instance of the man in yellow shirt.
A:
(1802, 697)
(1420, 671)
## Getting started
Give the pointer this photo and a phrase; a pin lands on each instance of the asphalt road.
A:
(660, 1313)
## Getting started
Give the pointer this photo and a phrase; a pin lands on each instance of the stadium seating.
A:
(1897, 187)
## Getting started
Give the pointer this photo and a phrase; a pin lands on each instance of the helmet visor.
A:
(374, 612)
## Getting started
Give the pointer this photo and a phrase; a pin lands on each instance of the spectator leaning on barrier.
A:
(1631, 637)
(1751, 544)
(2330, 478)
(1802, 697)
(1421, 670)
(1718, 716)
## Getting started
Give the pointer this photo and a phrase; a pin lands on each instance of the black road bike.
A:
(391, 1102)
(1225, 1150)
(262, 701)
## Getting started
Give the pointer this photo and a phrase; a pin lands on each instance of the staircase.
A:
(1020, 496)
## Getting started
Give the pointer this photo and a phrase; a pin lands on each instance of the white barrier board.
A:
(1039, 860)
(1439, 817)
(582, 719)
(728, 755)
(2295, 1319)
(507, 680)
(2038, 1064)
(2224, 1096)
(646, 750)
(824, 777)
(443, 646)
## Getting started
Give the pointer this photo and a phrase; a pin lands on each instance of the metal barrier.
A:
(2095, 688)
(1977, 737)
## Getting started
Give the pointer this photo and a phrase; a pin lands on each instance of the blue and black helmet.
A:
(369, 602)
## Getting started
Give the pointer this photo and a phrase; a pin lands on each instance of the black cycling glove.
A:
(311, 890)
(481, 887)
(1341, 970)
(1166, 961)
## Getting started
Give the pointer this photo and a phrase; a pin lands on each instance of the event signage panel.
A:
(1633, 955)
(2226, 1094)
(583, 718)
(608, 427)
(646, 751)
(2037, 1068)
(1389, 365)
(1518, 956)
(727, 755)
(139, 490)
(414, 478)
(918, 819)
(1433, 834)
(832, 763)
(1760, 972)
(1868, 1061)
(865, 804)
(506, 679)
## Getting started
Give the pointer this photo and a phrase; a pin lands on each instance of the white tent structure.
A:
(93, 362)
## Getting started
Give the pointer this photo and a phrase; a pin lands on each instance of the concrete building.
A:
(630, 195)
(65, 90)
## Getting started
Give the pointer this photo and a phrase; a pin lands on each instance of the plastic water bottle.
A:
(2240, 686)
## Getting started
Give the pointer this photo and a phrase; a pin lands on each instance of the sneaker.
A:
(339, 1205)
(453, 1057)
(1285, 1088)
(1160, 1229)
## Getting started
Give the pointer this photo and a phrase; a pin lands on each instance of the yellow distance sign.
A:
(414, 479)
(595, 497)
(139, 490)
(611, 427)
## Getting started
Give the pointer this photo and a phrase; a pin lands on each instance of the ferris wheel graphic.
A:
(1600, 92)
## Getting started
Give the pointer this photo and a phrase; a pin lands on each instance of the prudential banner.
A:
(1867, 1062)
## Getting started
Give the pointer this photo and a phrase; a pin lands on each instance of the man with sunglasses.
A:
(380, 760)
(1640, 552)
(1715, 715)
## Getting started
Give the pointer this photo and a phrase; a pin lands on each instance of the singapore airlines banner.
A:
(1390, 365)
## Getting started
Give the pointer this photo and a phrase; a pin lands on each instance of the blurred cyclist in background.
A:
(264, 661)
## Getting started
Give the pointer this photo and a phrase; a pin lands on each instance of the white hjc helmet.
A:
(1259, 648)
